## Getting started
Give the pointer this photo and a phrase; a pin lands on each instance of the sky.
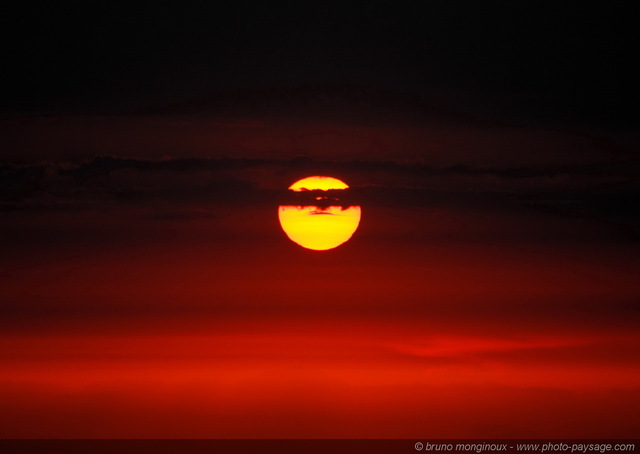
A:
(148, 290)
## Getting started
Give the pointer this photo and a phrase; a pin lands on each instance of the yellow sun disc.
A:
(319, 228)
(321, 183)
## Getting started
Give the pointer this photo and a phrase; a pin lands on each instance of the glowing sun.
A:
(320, 221)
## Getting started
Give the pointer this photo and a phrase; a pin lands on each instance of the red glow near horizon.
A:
(184, 333)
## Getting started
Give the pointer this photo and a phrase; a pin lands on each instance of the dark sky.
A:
(522, 97)
(559, 64)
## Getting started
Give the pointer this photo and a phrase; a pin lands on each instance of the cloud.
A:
(527, 348)
(177, 187)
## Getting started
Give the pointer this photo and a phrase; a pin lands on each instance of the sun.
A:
(320, 222)
(318, 183)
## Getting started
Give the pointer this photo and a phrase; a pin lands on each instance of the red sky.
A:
(455, 322)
